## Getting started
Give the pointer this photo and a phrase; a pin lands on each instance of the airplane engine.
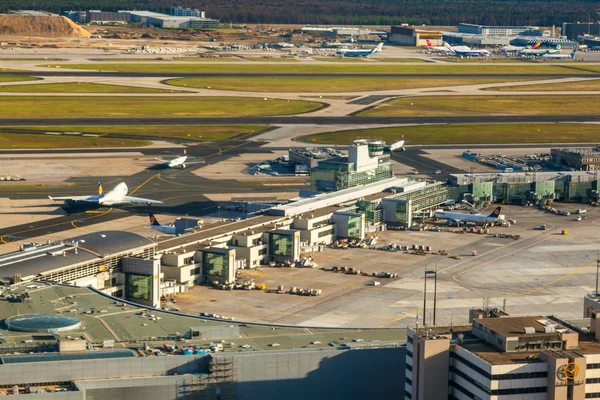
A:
(182, 166)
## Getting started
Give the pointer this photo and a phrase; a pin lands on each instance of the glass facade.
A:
(355, 226)
(215, 264)
(138, 287)
(327, 180)
(281, 245)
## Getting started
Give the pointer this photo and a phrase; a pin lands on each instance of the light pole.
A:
(428, 274)
(219, 208)
(597, 270)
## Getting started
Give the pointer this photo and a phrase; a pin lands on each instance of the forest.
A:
(355, 12)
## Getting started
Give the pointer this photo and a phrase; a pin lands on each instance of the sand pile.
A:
(50, 27)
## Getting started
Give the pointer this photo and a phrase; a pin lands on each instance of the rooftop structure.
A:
(42, 323)
(585, 159)
(500, 357)
(366, 163)
(233, 356)
(75, 258)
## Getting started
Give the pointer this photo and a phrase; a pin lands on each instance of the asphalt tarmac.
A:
(180, 190)
(300, 120)
(91, 73)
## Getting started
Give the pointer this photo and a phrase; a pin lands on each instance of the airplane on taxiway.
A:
(116, 197)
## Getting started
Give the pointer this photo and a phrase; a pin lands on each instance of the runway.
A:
(302, 119)
(106, 74)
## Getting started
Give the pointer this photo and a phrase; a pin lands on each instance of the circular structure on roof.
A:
(42, 323)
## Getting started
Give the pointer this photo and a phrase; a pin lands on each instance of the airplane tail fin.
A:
(100, 190)
(573, 53)
(153, 220)
(429, 44)
(558, 46)
(535, 46)
(496, 212)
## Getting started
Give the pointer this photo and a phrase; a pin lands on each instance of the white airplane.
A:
(397, 146)
(458, 218)
(514, 49)
(559, 56)
(465, 51)
(178, 162)
(117, 196)
(437, 49)
(538, 52)
(166, 229)
(359, 53)
(511, 49)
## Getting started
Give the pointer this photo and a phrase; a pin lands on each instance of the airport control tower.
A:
(366, 163)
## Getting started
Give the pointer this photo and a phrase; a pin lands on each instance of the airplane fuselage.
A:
(178, 162)
(460, 218)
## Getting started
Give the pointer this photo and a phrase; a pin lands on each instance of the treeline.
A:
(355, 12)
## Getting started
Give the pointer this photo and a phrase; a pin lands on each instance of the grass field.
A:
(25, 141)
(592, 85)
(332, 84)
(484, 105)
(208, 59)
(340, 59)
(74, 87)
(16, 78)
(126, 59)
(400, 60)
(468, 134)
(65, 107)
(335, 68)
(270, 59)
(200, 133)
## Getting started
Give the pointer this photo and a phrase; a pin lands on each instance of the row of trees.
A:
(356, 12)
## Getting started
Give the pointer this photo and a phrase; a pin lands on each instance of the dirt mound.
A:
(50, 27)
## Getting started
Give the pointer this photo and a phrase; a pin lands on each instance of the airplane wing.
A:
(139, 200)
(195, 162)
(74, 198)
(161, 160)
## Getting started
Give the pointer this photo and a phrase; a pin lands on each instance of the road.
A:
(302, 119)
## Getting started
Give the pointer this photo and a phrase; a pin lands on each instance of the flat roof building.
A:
(491, 30)
(572, 30)
(409, 36)
(585, 159)
(500, 357)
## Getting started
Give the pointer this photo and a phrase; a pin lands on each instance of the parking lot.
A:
(543, 268)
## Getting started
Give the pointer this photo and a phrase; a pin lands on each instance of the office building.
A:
(502, 357)
(187, 12)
